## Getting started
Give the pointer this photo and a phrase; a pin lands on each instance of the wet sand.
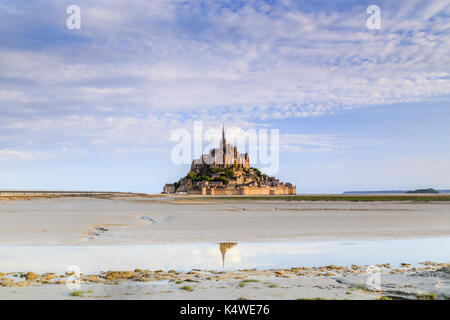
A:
(117, 221)
(428, 282)
(98, 221)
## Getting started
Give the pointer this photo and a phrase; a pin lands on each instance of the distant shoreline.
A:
(443, 191)
(333, 197)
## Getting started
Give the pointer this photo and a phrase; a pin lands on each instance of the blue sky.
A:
(357, 109)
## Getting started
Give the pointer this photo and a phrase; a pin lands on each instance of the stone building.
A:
(225, 171)
(225, 156)
(169, 188)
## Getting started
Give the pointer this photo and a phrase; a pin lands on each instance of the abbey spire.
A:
(223, 141)
(224, 147)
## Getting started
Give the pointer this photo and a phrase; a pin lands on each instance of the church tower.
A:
(224, 147)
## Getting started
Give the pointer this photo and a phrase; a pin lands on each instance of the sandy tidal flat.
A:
(97, 222)
(428, 282)
(90, 221)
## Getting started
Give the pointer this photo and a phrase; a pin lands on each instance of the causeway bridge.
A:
(65, 193)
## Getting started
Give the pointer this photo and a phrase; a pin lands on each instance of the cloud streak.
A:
(142, 69)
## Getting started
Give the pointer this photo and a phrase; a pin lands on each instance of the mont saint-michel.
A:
(225, 171)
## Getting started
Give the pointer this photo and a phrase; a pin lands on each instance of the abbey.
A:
(226, 156)
(225, 171)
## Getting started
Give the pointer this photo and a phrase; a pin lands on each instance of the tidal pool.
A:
(222, 256)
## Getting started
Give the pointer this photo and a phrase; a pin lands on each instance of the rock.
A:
(115, 275)
(92, 278)
(428, 263)
(31, 276)
(405, 265)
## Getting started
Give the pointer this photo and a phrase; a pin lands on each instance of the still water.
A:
(222, 256)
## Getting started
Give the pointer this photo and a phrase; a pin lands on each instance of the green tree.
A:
(191, 175)
(205, 178)
(229, 173)
(258, 173)
(224, 180)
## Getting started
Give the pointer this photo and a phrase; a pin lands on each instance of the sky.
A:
(94, 108)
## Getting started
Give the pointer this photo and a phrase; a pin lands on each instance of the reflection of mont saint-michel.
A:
(224, 171)
(224, 247)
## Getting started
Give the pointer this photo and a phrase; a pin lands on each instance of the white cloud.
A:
(11, 95)
(309, 143)
(288, 63)
(137, 70)
(7, 154)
